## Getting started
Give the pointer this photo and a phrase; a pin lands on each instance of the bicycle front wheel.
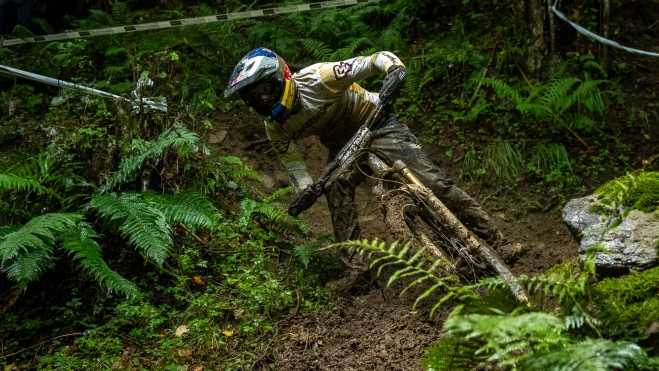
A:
(414, 216)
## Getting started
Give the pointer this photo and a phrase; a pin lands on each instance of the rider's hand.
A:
(393, 83)
(304, 200)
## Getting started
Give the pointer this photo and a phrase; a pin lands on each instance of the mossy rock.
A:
(643, 193)
(633, 300)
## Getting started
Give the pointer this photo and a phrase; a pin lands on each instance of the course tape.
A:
(183, 22)
(597, 37)
(160, 105)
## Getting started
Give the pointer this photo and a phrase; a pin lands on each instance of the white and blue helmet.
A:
(258, 66)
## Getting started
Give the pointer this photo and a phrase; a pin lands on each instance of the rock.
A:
(632, 244)
(217, 137)
(268, 182)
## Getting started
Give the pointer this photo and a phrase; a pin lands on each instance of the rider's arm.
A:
(289, 154)
(338, 76)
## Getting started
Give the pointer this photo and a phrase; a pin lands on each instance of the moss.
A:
(569, 267)
(643, 193)
(631, 300)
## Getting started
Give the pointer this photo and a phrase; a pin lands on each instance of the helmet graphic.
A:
(264, 82)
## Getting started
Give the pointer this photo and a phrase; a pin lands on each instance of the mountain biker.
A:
(325, 100)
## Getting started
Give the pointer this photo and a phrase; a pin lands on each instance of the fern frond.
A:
(100, 17)
(44, 25)
(7, 229)
(591, 355)
(578, 121)
(412, 266)
(191, 208)
(121, 14)
(506, 339)
(8, 181)
(178, 137)
(318, 49)
(122, 87)
(503, 90)
(113, 69)
(79, 240)
(554, 94)
(305, 252)
(140, 221)
(27, 251)
(278, 194)
(114, 50)
(349, 51)
(453, 354)
(589, 95)
(277, 219)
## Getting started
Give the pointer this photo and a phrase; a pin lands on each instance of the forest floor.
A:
(375, 329)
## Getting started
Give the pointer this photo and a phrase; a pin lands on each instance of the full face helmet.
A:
(264, 82)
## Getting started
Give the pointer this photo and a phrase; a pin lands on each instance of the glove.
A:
(392, 83)
(304, 200)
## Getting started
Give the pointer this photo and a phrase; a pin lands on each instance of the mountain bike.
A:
(412, 212)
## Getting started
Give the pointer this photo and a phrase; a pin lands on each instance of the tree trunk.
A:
(605, 10)
(552, 27)
(538, 47)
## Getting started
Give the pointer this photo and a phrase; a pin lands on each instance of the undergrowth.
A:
(570, 323)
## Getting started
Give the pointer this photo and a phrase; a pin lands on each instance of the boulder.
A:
(632, 244)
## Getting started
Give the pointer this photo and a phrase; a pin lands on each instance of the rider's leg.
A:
(396, 142)
(341, 202)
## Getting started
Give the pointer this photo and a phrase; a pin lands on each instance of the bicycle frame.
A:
(349, 154)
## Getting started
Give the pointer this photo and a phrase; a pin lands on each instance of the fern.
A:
(391, 38)
(190, 208)
(79, 241)
(278, 194)
(26, 252)
(11, 181)
(121, 14)
(122, 87)
(506, 339)
(565, 100)
(178, 137)
(349, 50)
(318, 49)
(44, 25)
(453, 354)
(140, 221)
(276, 218)
(413, 266)
(591, 355)
(307, 251)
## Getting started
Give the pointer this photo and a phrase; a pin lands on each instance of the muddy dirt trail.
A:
(375, 329)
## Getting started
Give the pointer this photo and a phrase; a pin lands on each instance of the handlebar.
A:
(344, 159)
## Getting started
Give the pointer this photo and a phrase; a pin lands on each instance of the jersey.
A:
(333, 107)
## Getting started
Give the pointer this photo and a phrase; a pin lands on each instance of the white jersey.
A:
(333, 107)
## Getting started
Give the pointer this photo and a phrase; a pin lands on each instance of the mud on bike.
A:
(412, 212)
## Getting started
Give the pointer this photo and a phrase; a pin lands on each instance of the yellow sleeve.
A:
(338, 76)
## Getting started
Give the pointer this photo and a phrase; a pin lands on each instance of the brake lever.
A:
(305, 199)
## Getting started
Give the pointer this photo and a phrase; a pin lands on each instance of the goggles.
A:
(263, 96)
